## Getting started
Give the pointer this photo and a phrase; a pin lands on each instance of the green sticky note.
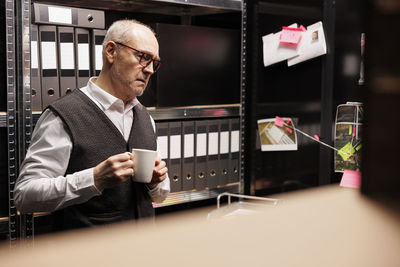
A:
(346, 151)
(358, 147)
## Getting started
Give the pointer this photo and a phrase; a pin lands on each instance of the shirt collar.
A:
(105, 99)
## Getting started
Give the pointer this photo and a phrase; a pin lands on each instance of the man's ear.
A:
(111, 51)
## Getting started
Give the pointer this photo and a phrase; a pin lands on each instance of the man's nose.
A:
(149, 68)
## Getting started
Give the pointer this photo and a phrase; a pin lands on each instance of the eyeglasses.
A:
(144, 58)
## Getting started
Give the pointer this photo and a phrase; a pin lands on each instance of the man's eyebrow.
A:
(151, 54)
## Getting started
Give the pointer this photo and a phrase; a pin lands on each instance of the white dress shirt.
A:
(42, 186)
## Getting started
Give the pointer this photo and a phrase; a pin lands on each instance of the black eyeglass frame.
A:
(142, 60)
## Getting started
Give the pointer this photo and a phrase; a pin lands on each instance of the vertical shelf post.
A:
(24, 96)
(11, 119)
(326, 157)
(243, 96)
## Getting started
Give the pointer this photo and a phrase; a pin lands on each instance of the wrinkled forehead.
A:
(143, 39)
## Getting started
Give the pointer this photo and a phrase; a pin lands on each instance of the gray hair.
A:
(118, 31)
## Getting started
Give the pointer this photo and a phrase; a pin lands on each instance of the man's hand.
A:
(159, 173)
(113, 171)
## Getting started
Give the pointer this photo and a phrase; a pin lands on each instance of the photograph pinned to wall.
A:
(275, 138)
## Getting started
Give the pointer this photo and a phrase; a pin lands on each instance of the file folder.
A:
(66, 59)
(188, 155)
(212, 155)
(48, 63)
(175, 155)
(234, 150)
(97, 50)
(200, 166)
(35, 77)
(224, 152)
(82, 53)
(68, 16)
(162, 140)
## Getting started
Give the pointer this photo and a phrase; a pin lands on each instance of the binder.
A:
(200, 166)
(162, 140)
(188, 155)
(234, 150)
(48, 64)
(66, 59)
(97, 50)
(82, 57)
(35, 67)
(212, 155)
(224, 152)
(175, 154)
(68, 16)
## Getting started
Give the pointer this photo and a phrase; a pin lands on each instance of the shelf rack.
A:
(20, 120)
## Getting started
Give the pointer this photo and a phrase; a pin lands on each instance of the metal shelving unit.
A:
(189, 196)
(11, 117)
(20, 120)
(164, 7)
(269, 16)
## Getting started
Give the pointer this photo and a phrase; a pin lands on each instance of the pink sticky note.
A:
(316, 137)
(289, 130)
(351, 178)
(290, 35)
(278, 121)
(302, 28)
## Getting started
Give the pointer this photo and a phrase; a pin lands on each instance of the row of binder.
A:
(200, 154)
(62, 58)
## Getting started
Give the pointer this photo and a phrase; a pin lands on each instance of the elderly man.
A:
(78, 163)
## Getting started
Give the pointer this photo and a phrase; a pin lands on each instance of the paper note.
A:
(351, 178)
(278, 121)
(316, 137)
(346, 151)
(291, 35)
(312, 44)
(274, 52)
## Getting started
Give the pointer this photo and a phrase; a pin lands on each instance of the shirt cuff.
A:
(160, 192)
(85, 180)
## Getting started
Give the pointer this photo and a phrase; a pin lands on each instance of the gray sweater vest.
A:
(95, 138)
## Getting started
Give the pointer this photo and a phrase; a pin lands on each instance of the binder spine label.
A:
(59, 15)
(224, 149)
(67, 57)
(162, 144)
(201, 144)
(188, 149)
(175, 152)
(235, 141)
(48, 44)
(34, 53)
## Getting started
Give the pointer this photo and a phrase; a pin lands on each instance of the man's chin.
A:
(139, 91)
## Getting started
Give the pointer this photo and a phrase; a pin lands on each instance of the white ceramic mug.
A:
(145, 161)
